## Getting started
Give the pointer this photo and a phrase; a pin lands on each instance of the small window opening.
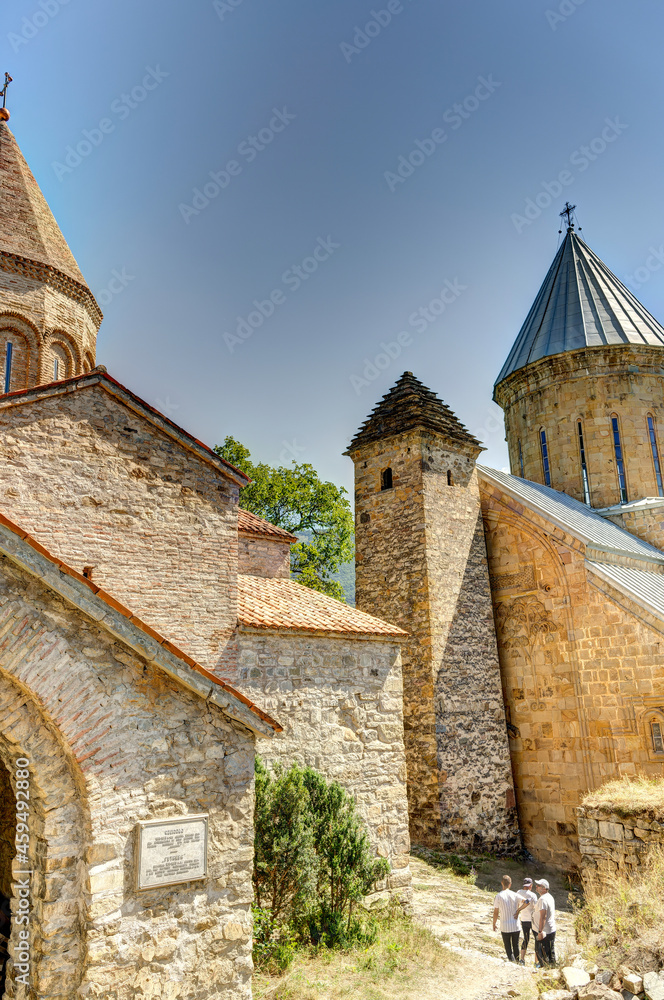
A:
(55, 370)
(386, 479)
(545, 457)
(656, 733)
(655, 454)
(87, 572)
(620, 465)
(450, 478)
(584, 467)
(8, 365)
(521, 461)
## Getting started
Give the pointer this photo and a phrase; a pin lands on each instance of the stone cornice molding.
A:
(46, 274)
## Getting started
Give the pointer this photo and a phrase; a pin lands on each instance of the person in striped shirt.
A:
(504, 909)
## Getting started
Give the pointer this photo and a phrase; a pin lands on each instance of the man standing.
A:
(525, 912)
(545, 924)
(504, 907)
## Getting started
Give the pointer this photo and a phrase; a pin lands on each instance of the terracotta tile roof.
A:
(284, 604)
(133, 402)
(251, 524)
(137, 622)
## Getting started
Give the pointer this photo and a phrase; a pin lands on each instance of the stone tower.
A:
(48, 316)
(582, 391)
(421, 563)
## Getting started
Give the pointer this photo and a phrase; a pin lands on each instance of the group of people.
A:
(537, 915)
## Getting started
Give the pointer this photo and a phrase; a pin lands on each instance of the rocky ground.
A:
(460, 915)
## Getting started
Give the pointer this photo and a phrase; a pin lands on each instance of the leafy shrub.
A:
(313, 865)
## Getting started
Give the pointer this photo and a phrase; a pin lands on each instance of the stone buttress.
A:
(421, 563)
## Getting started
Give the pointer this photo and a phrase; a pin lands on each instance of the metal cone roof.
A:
(27, 226)
(580, 304)
(407, 405)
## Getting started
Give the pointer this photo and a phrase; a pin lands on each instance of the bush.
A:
(313, 865)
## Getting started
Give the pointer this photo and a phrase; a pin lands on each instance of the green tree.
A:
(285, 863)
(296, 499)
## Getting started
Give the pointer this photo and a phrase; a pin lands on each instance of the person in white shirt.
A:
(504, 909)
(527, 899)
(545, 924)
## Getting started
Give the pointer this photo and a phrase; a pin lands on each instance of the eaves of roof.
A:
(251, 524)
(132, 402)
(24, 551)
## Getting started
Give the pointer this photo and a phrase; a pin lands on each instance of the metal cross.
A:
(568, 209)
(8, 80)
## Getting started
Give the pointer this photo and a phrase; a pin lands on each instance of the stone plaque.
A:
(172, 850)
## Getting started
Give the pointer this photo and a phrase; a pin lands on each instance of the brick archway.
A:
(57, 831)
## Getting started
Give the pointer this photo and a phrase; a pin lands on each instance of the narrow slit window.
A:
(656, 733)
(620, 465)
(386, 479)
(55, 370)
(521, 460)
(584, 467)
(545, 457)
(655, 454)
(450, 478)
(8, 365)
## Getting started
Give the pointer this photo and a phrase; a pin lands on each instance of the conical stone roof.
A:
(409, 404)
(580, 304)
(27, 226)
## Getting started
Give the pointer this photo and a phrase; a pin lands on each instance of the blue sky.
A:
(304, 112)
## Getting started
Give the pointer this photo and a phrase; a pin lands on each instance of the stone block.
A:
(632, 983)
(557, 995)
(574, 978)
(611, 831)
(597, 991)
(653, 986)
(587, 827)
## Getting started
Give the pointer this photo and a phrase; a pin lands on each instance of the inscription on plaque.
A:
(172, 850)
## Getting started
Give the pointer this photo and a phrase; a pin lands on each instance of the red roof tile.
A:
(251, 524)
(284, 604)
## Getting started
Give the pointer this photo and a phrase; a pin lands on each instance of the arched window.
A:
(9, 348)
(59, 361)
(620, 465)
(545, 457)
(584, 467)
(652, 434)
(521, 460)
(656, 736)
(386, 479)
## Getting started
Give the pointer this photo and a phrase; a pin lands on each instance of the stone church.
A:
(150, 638)
(534, 601)
(503, 658)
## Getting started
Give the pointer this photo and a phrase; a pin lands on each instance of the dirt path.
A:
(460, 916)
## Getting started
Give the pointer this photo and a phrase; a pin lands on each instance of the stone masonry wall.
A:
(421, 563)
(611, 843)
(646, 524)
(582, 672)
(54, 316)
(99, 486)
(263, 557)
(112, 740)
(340, 702)
(588, 385)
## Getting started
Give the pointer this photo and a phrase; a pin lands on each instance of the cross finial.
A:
(4, 116)
(568, 211)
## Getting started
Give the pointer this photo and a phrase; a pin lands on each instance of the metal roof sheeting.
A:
(645, 588)
(580, 304)
(574, 517)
